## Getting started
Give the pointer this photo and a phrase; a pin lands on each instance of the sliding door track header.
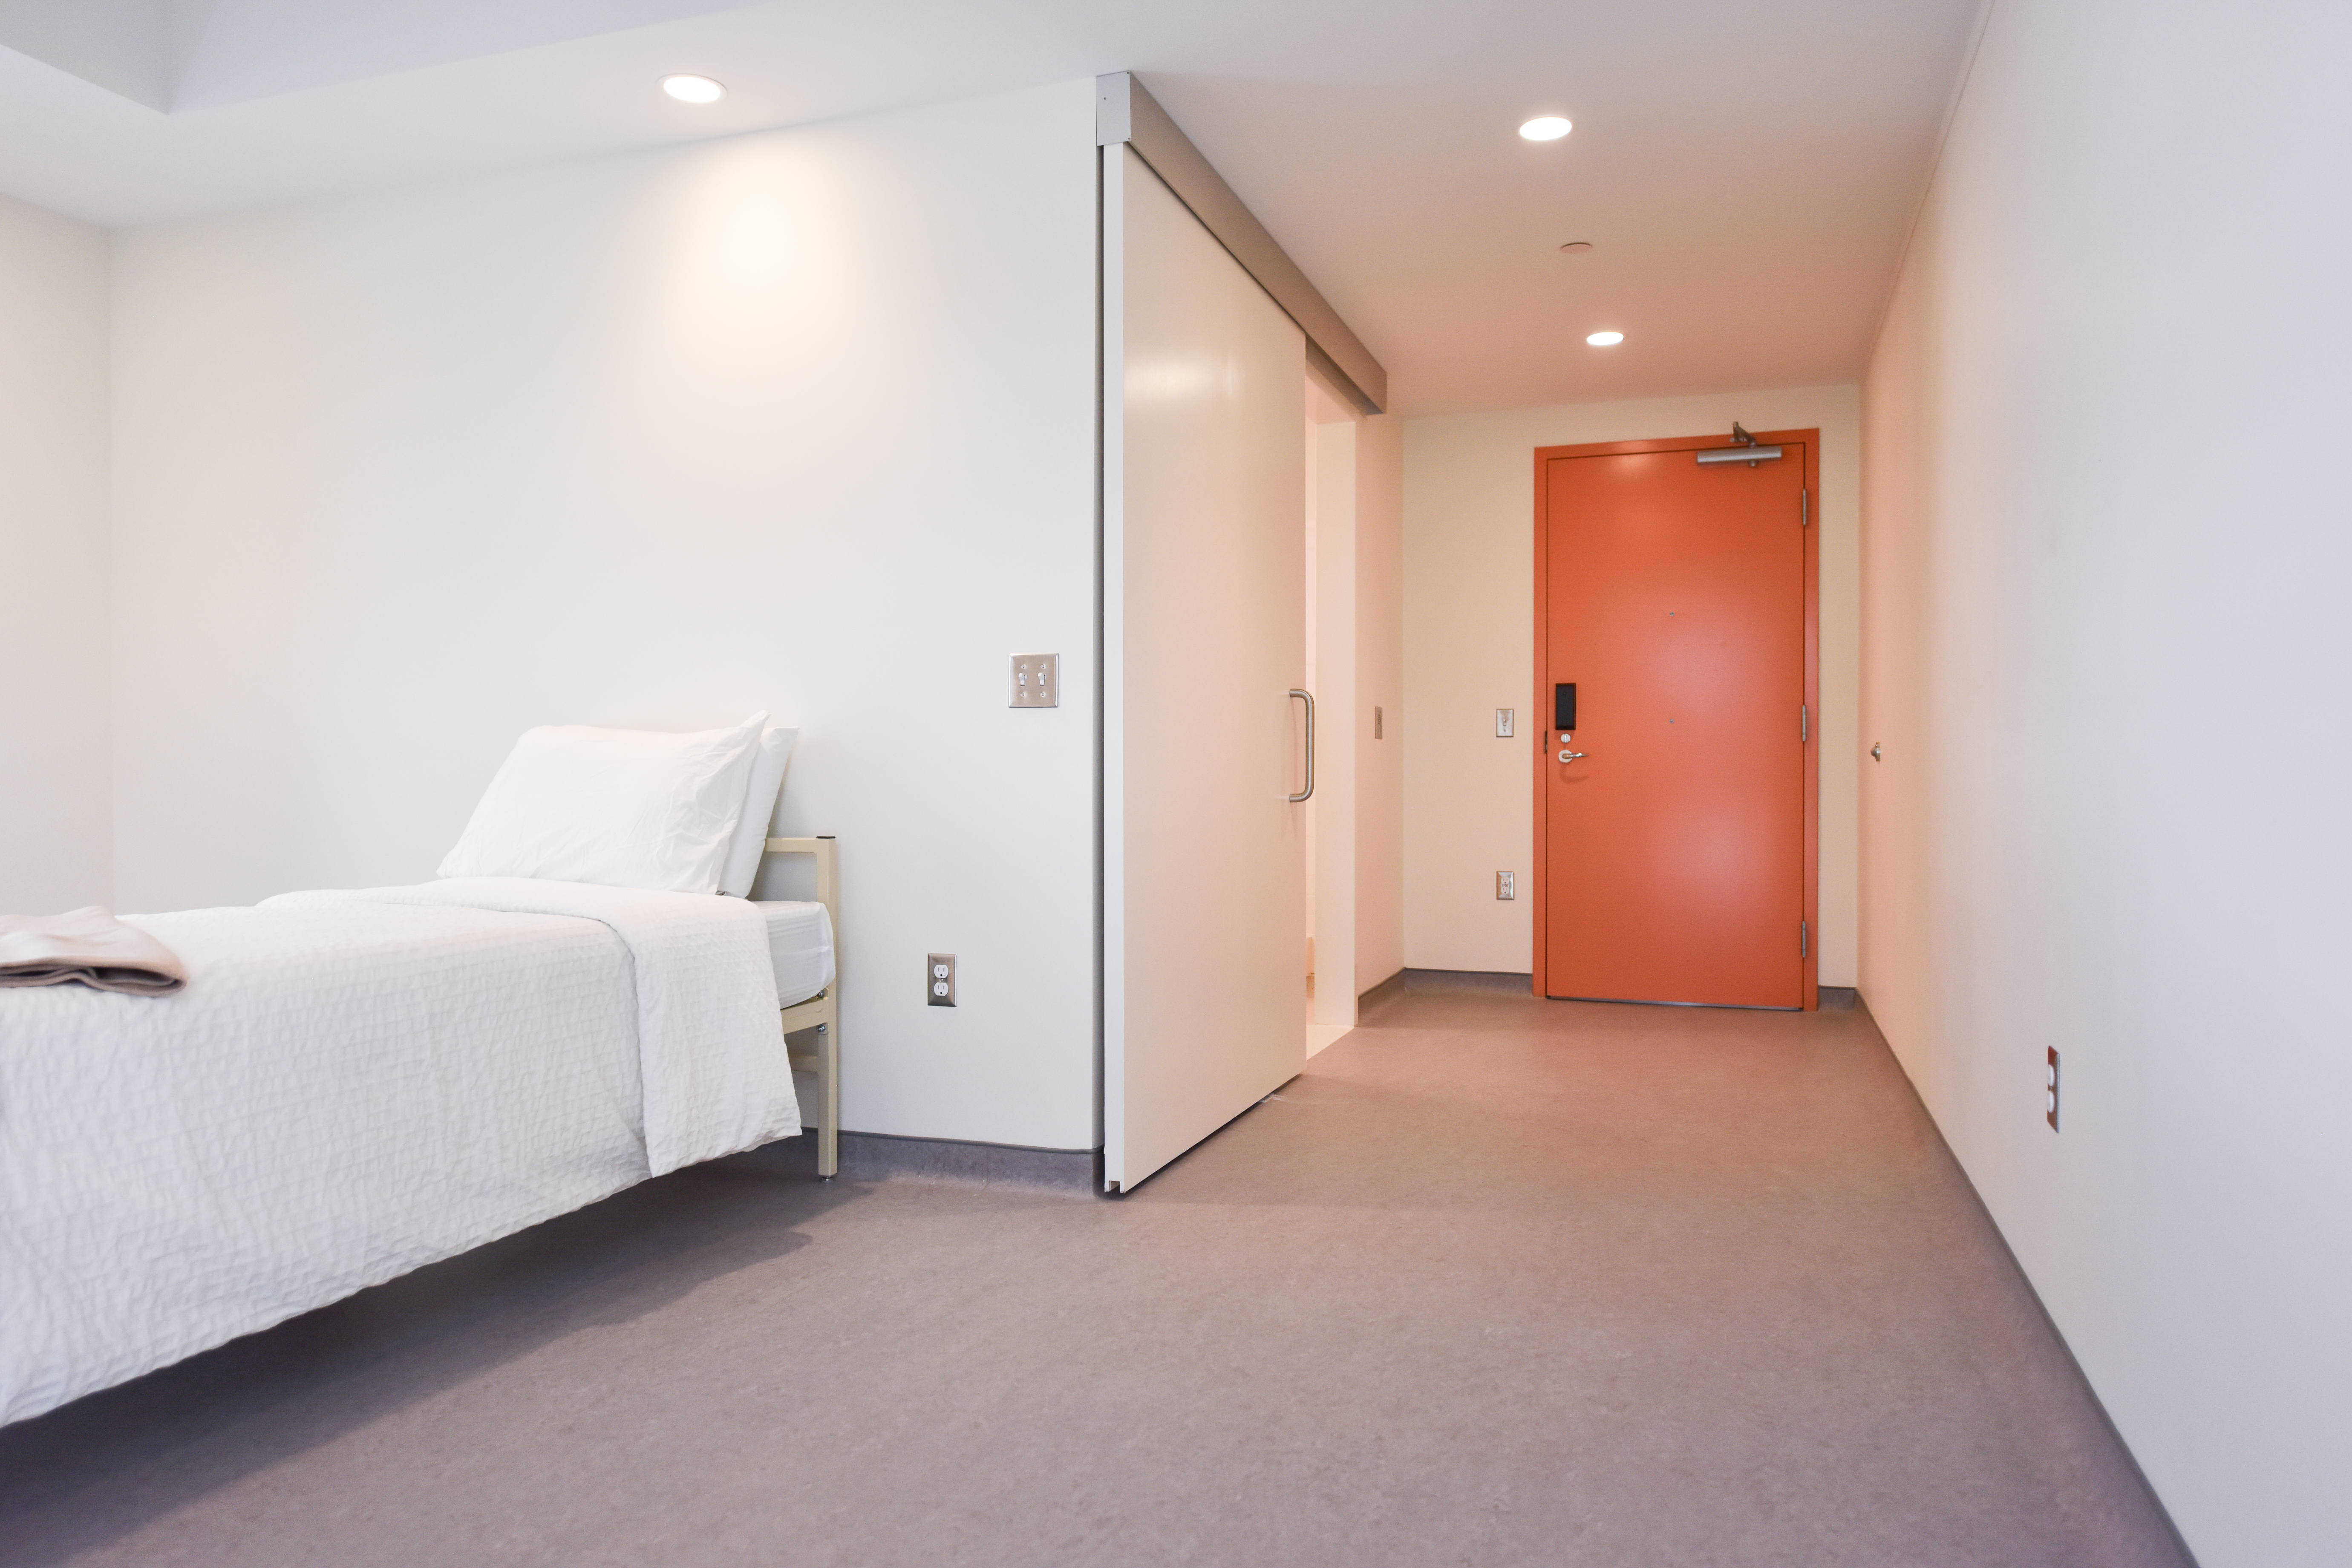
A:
(1125, 112)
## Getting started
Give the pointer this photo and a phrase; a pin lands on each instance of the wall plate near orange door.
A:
(1677, 663)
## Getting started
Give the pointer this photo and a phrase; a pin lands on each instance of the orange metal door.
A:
(1674, 849)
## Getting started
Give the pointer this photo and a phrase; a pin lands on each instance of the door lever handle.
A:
(1307, 698)
(1574, 756)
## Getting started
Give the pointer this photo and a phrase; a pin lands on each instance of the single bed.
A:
(356, 1083)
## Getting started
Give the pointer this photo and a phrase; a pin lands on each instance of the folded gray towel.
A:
(89, 947)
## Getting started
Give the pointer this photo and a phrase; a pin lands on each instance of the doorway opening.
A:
(1330, 814)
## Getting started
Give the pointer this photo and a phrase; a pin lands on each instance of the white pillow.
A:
(758, 810)
(626, 808)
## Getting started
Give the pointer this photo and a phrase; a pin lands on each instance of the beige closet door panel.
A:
(1204, 497)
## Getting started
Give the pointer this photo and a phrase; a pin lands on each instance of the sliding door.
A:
(1204, 637)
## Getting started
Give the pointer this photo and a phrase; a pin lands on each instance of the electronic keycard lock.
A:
(1563, 718)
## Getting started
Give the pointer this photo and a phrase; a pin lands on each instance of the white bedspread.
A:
(353, 1084)
(706, 989)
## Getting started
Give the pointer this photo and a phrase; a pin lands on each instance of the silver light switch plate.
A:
(1037, 680)
(938, 979)
(1505, 719)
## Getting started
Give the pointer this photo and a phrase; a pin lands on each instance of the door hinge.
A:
(1804, 509)
(1804, 724)
(1804, 941)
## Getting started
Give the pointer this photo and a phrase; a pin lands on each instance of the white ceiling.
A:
(1747, 173)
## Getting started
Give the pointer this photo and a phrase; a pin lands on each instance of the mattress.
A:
(799, 941)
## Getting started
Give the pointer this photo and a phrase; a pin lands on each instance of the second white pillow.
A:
(625, 808)
(767, 783)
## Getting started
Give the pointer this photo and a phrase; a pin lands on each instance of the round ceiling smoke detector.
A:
(1576, 247)
(1546, 127)
(693, 89)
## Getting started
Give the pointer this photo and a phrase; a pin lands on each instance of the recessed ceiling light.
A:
(693, 89)
(1548, 128)
(1576, 247)
(1604, 340)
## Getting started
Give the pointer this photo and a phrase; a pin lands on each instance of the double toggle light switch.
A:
(1037, 680)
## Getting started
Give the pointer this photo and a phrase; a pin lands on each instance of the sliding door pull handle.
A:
(1308, 698)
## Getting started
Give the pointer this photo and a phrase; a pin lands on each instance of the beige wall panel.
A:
(1379, 683)
(1331, 455)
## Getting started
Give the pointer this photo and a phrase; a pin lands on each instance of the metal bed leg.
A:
(828, 1115)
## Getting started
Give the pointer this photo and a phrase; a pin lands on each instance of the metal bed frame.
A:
(820, 1011)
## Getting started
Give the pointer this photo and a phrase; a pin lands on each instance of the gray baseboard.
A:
(1491, 982)
(875, 1156)
(1484, 982)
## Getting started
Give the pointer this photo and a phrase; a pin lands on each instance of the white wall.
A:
(54, 767)
(1469, 643)
(2108, 655)
(801, 420)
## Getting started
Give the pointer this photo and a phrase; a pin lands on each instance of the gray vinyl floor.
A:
(1495, 1281)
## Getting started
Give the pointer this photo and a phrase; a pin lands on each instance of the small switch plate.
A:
(1504, 720)
(1037, 680)
(938, 979)
(1506, 885)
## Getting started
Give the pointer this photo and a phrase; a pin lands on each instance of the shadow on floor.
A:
(294, 1387)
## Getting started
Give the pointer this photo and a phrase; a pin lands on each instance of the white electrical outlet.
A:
(1037, 680)
(1504, 720)
(1506, 885)
(938, 979)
